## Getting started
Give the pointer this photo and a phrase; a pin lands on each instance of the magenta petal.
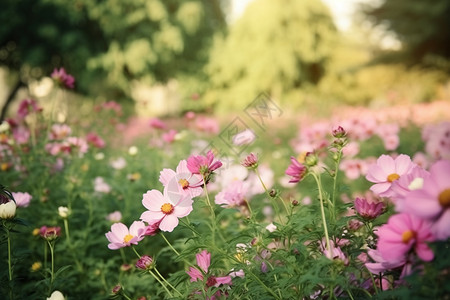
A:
(424, 252)
(441, 228)
(223, 280)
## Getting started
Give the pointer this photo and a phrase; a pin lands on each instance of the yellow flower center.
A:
(444, 198)
(407, 236)
(393, 177)
(128, 238)
(36, 266)
(301, 157)
(184, 183)
(167, 208)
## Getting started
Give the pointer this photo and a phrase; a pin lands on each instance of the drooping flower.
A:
(182, 181)
(368, 209)
(204, 165)
(386, 171)
(62, 78)
(296, 170)
(22, 199)
(145, 262)
(120, 236)
(165, 209)
(251, 161)
(432, 201)
(203, 262)
(402, 233)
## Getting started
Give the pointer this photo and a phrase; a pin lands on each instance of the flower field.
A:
(356, 206)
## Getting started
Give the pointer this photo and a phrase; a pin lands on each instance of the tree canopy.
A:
(276, 46)
(422, 26)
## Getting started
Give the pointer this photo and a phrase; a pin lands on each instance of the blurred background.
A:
(167, 57)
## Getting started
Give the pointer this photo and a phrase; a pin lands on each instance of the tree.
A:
(422, 26)
(106, 44)
(275, 47)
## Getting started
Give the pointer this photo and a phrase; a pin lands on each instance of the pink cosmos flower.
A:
(26, 107)
(62, 78)
(120, 236)
(386, 171)
(165, 209)
(101, 186)
(157, 124)
(234, 195)
(368, 209)
(296, 170)
(380, 265)
(145, 262)
(182, 181)
(437, 138)
(405, 184)
(205, 124)
(203, 262)
(21, 134)
(22, 199)
(50, 233)
(251, 161)
(59, 132)
(402, 233)
(115, 216)
(353, 168)
(432, 201)
(205, 165)
(94, 140)
(169, 137)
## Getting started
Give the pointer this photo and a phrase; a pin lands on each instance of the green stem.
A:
(264, 286)
(9, 254)
(213, 214)
(336, 171)
(69, 242)
(138, 255)
(160, 282)
(168, 283)
(170, 245)
(274, 204)
(322, 211)
(52, 274)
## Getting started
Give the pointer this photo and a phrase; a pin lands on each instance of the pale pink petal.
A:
(223, 280)
(441, 228)
(402, 164)
(153, 200)
(152, 216)
(166, 175)
(137, 228)
(182, 211)
(380, 188)
(182, 167)
(441, 174)
(386, 163)
(194, 274)
(168, 223)
(376, 174)
(119, 229)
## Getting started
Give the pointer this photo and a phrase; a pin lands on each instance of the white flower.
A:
(4, 126)
(271, 227)
(99, 156)
(56, 295)
(63, 212)
(7, 210)
(133, 150)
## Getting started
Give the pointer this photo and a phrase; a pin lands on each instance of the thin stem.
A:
(274, 204)
(52, 274)
(138, 255)
(9, 254)
(69, 242)
(336, 170)
(160, 282)
(265, 286)
(170, 245)
(213, 214)
(168, 283)
(322, 211)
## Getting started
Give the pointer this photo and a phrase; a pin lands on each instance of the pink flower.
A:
(233, 195)
(120, 236)
(26, 107)
(169, 137)
(204, 165)
(50, 233)
(437, 138)
(157, 124)
(386, 171)
(101, 186)
(402, 233)
(182, 181)
(96, 141)
(405, 184)
(22, 199)
(381, 265)
(115, 216)
(353, 168)
(145, 262)
(59, 132)
(119, 163)
(368, 210)
(203, 262)
(432, 201)
(251, 161)
(62, 78)
(296, 170)
(165, 209)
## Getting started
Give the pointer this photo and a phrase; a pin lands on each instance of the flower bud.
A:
(64, 212)
(251, 161)
(7, 208)
(339, 132)
(116, 290)
(145, 262)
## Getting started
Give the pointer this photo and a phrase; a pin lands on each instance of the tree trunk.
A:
(10, 98)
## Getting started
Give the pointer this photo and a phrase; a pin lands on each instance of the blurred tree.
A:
(422, 26)
(106, 44)
(275, 47)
